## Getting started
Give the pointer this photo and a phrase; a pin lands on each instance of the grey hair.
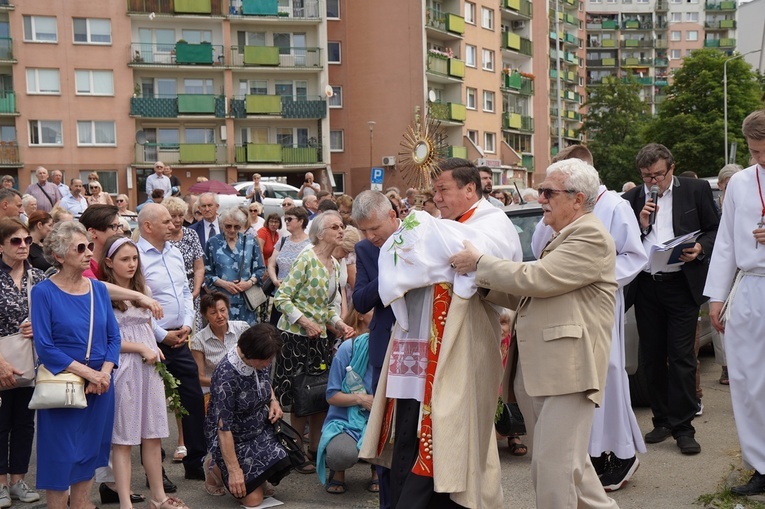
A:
(215, 197)
(234, 213)
(58, 241)
(580, 177)
(316, 231)
(727, 171)
(26, 199)
(369, 203)
(530, 194)
(175, 205)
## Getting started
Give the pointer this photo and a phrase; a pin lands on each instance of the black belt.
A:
(174, 329)
(664, 276)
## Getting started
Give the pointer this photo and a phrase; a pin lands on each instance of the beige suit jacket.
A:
(565, 309)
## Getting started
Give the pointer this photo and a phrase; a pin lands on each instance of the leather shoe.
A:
(688, 445)
(755, 486)
(109, 496)
(658, 434)
(195, 474)
(168, 485)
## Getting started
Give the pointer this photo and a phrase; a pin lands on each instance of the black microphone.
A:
(654, 197)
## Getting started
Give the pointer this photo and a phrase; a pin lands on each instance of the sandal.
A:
(516, 447)
(374, 485)
(306, 468)
(179, 454)
(213, 484)
(168, 503)
(724, 376)
(335, 487)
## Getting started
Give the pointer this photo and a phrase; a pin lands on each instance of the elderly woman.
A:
(345, 253)
(344, 206)
(254, 220)
(97, 194)
(243, 448)
(234, 263)
(29, 203)
(305, 299)
(17, 422)
(286, 251)
(67, 457)
(122, 202)
(40, 224)
(60, 215)
(268, 236)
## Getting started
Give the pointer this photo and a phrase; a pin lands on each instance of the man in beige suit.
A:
(565, 315)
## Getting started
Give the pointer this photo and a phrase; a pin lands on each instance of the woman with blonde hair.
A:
(97, 194)
(122, 204)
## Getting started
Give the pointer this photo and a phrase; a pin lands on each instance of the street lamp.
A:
(371, 124)
(725, 94)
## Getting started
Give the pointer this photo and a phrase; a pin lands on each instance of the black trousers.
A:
(383, 474)
(181, 364)
(666, 315)
(408, 490)
(17, 430)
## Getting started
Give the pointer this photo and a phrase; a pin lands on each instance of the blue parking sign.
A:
(377, 179)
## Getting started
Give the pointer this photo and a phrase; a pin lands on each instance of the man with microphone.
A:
(667, 303)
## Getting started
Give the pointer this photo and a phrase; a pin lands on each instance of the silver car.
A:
(275, 193)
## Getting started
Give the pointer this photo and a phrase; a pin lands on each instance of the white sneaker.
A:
(5, 498)
(700, 409)
(23, 492)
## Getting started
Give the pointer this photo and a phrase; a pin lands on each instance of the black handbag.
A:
(310, 393)
(291, 441)
(510, 420)
(269, 287)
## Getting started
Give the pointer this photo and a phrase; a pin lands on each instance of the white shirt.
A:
(662, 229)
(155, 181)
(213, 348)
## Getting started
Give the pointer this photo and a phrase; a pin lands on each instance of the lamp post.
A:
(725, 94)
(371, 124)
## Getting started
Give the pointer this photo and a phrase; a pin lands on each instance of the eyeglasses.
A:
(236, 227)
(288, 220)
(658, 177)
(82, 247)
(548, 193)
(114, 227)
(335, 227)
(16, 241)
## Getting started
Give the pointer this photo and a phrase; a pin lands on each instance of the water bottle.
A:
(354, 381)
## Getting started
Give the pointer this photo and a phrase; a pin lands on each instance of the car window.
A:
(284, 193)
(525, 223)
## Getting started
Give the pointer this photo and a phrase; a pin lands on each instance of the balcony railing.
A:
(274, 153)
(182, 104)
(180, 53)
(6, 48)
(568, 76)
(180, 153)
(513, 41)
(203, 7)
(452, 67)
(450, 112)
(637, 43)
(636, 62)
(523, 7)
(309, 10)
(723, 24)
(445, 21)
(661, 62)
(517, 121)
(275, 56)
(454, 151)
(284, 106)
(727, 43)
(729, 5)
(8, 102)
(9, 153)
(634, 24)
(515, 81)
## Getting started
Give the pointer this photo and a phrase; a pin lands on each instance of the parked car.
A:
(525, 219)
(274, 192)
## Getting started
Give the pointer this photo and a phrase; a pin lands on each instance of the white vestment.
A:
(735, 247)
(614, 426)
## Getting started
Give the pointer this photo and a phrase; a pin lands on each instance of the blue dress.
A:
(72, 443)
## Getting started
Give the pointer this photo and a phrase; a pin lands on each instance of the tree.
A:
(615, 118)
(691, 123)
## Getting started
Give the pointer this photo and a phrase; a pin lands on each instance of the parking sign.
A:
(377, 179)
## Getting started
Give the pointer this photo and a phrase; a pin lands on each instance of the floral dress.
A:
(239, 395)
(191, 249)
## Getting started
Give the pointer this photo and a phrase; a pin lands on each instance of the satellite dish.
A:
(432, 96)
(328, 91)
(140, 137)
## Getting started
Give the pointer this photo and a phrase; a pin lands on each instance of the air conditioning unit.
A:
(389, 161)
(519, 25)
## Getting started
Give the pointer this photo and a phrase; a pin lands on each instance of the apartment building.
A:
(751, 33)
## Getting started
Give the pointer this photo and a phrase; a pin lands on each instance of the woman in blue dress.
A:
(234, 263)
(72, 443)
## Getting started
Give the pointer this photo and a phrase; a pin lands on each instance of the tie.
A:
(212, 231)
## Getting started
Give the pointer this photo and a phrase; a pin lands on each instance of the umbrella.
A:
(212, 186)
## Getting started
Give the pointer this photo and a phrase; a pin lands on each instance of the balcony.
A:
(608, 43)
(527, 161)
(184, 7)
(454, 151)
(182, 104)
(609, 24)
(729, 5)
(661, 62)
(515, 81)
(727, 43)
(711, 43)
(518, 122)
(284, 106)
(452, 68)
(522, 7)
(180, 153)
(570, 95)
(8, 102)
(9, 154)
(515, 42)
(566, 18)
(661, 81)
(662, 6)
(6, 5)
(566, 56)
(180, 53)
(276, 57)
(264, 153)
(448, 112)
(567, 76)
(637, 43)
(446, 22)
(6, 49)
(636, 62)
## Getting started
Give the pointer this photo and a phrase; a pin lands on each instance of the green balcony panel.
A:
(303, 108)
(454, 151)
(261, 55)
(728, 5)
(512, 41)
(608, 43)
(712, 43)
(193, 53)
(264, 153)
(527, 162)
(661, 82)
(631, 61)
(514, 5)
(661, 62)
(455, 24)
(527, 86)
(456, 68)
(151, 107)
(7, 102)
(728, 23)
(727, 43)
(513, 81)
(609, 62)
(192, 7)
(240, 154)
(457, 112)
(631, 43)
(609, 25)
(196, 103)
(238, 109)
(514, 120)
(260, 7)
(263, 104)
(632, 24)
(6, 48)
(645, 81)
(197, 153)
(302, 155)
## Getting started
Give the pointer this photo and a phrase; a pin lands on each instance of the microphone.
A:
(654, 197)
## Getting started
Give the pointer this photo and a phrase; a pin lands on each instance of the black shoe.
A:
(168, 485)
(600, 463)
(195, 474)
(755, 486)
(619, 472)
(688, 445)
(109, 496)
(658, 434)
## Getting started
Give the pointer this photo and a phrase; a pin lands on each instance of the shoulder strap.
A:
(29, 292)
(281, 243)
(52, 203)
(90, 332)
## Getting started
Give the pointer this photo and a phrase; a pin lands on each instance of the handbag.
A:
(310, 395)
(291, 441)
(65, 390)
(269, 287)
(19, 351)
(254, 297)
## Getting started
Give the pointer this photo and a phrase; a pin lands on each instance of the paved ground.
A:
(665, 480)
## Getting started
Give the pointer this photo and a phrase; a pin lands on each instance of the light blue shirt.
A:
(155, 181)
(75, 206)
(165, 276)
(64, 189)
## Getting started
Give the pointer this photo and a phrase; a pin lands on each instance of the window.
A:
(676, 17)
(336, 143)
(40, 29)
(470, 98)
(43, 81)
(201, 135)
(45, 132)
(692, 35)
(487, 18)
(674, 54)
(470, 13)
(470, 55)
(94, 132)
(674, 35)
(333, 9)
(92, 31)
(336, 101)
(333, 52)
(488, 60)
(488, 101)
(94, 82)
(197, 86)
(489, 142)
(196, 36)
(473, 136)
(692, 17)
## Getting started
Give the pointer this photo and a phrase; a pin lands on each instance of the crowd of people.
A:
(410, 320)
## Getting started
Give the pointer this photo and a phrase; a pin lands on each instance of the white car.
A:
(274, 192)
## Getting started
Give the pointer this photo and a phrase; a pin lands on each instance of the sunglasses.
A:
(285, 205)
(548, 193)
(114, 227)
(82, 247)
(253, 210)
(17, 241)
(93, 187)
(119, 200)
(288, 220)
(236, 227)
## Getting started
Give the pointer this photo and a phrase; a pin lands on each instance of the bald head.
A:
(155, 224)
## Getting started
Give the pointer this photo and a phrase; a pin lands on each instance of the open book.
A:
(663, 256)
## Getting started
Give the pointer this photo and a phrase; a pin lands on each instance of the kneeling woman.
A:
(240, 435)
